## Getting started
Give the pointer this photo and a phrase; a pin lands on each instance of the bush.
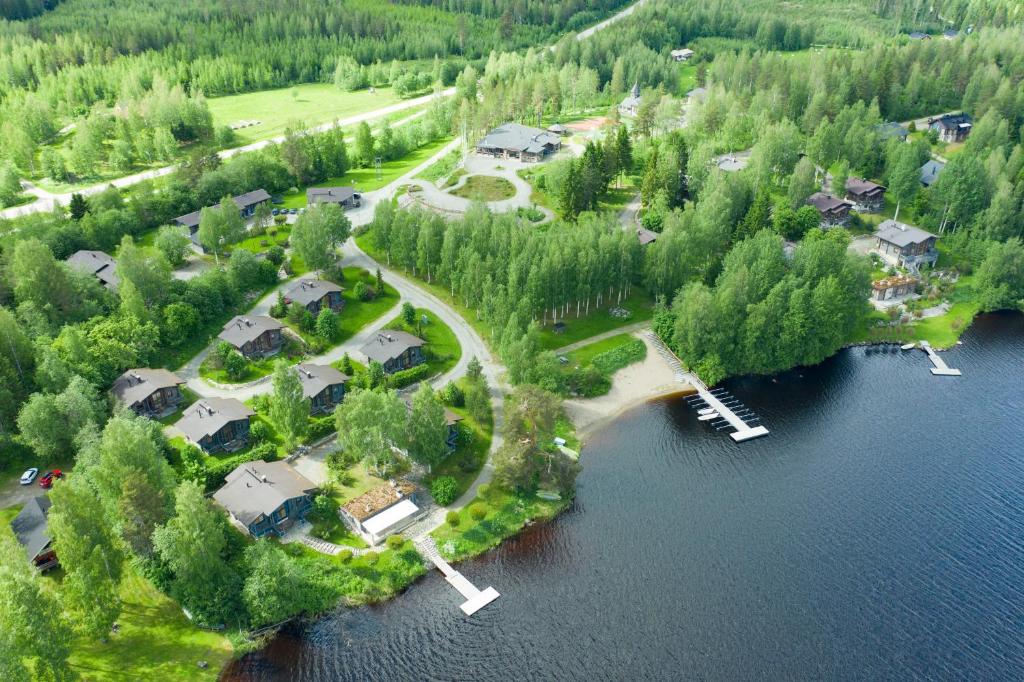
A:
(259, 432)
(409, 376)
(444, 489)
(452, 518)
(371, 558)
(615, 359)
(478, 510)
(275, 254)
(235, 366)
(453, 395)
(362, 292)
(345, 555)
(395, 541)
(320, 427)
(483, 491)
(339, 461)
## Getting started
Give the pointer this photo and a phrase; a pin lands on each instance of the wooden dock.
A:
(475, 599)
(940, 367)
(727, 412)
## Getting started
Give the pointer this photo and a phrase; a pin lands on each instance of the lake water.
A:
(877, 533)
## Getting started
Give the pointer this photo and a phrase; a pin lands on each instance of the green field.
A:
(599, 321)
(583, 356)
(485, 188)
(309, 104)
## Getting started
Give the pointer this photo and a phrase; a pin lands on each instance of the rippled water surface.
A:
(877, 533)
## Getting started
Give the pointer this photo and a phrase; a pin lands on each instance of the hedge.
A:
(409, 376)
(615, 359)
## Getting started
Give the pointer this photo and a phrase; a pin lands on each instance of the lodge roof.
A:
(389, 344)
(245, 328)
(901, 234)
(306, 291)
(135, 385)
(207, 416)
(259, 488)
(315, 378)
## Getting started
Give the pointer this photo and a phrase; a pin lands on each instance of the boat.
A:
(706, 410)
(708, 417)
(908, 346)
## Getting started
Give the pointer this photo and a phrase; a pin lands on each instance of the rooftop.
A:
(890, 282)
(930, 171)
(315, 378)
(243, 201)
(389, 344)
(245, 328)
(136, 385)
(378, 499)
(646, 236)
(306, 291)
(862, 186)
(31, 528)
(207, 416)
(826, 203)
(97, 263)
(519, 138)
(256, 489)
(902, 234)
(315, 195)
(951, 121)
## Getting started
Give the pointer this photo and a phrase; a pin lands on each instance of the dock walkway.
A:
(940, 368)
(475, 599)
(743, 430)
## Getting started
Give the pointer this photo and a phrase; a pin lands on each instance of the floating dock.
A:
(475, 599)
(940, 368)
(717, 407)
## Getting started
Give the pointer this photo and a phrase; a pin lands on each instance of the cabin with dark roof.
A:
(253, 336)
(834, 212)
(951, 127)
(98, 264)
(315, 294)
(930, 172)
(645, 236)
(515, 141)
(906, 245)
(266, 497)
(631, 104)
(216, 424)
(395, 350)
(322, 385)
(246, 203)
(346, 197)
(31, 528)
(866, 196)
(149, 392)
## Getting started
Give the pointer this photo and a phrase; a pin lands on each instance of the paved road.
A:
(47, 200)
(586, 33)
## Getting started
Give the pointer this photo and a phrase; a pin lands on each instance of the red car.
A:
(46, 481)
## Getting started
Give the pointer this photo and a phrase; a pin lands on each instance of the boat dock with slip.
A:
(940, 368)
(475, 599)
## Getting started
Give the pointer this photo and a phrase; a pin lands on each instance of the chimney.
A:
(263, 477)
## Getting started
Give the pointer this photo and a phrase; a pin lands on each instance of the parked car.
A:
(29, 476)
(275, 211)
(49, 477)
(293, 211)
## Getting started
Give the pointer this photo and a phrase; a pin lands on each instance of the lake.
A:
(877, 533)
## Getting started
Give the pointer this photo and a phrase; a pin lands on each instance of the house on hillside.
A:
(315, 294)
(380, 512)
(149, 392)
(395, 350)
(515, 141)
(31, 528)
(246, 203)
(905, 245)
(645, 236)
(322, 385)
(930, 172)
(631, 104)
(834, 212)
(346, 197)
(98, 264)
(216, 424)
(253, 336)
(892, 129)
(266, 497)
(866, 196)
(951, 127)
(682, 55)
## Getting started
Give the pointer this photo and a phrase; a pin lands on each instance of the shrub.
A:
(324, 506)
(612, 360)
(279, 308)
(452, 518)
(483, 491)
(235, 366)
(275, 254)
(444, 489)
(395, 541)
(371, 558)
(453, 395)
(320, 427)
(259, 432)
(478, 510)
(345, 555)
(362, 292)
(409, 376)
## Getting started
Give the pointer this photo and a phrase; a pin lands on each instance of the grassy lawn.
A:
(442, 349)
(599, 321)
(155, 642)
(507, 513)
(687, 78)
(357, 314)
(7, 515)
(309, 103)
(486, 188)
(365, 179)
(583, 356)
(441, 168)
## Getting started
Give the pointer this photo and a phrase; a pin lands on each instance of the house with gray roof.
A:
(315, 294)
(322, 385)
(951, 127)
(834, 212)
(645, 236)
(930, 172)
(906, 245)
(266, 497)
(631, 104)
(891, 129)
(682, 54)
(31, 528)
(345, 197)
(866, 196)
(149, 392)
(395, 350)
(515, 141)
(246, 203)
(98, 264)
(918, 35)
(216, 424)
(253, 335)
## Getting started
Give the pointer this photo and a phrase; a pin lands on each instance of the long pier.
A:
(940, 368)
(475, 599)
(722, 410)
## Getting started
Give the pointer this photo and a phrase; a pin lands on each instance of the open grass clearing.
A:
(308, 104)
(485, 188)
(599, 321)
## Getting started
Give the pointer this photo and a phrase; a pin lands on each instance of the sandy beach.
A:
(631, 386)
